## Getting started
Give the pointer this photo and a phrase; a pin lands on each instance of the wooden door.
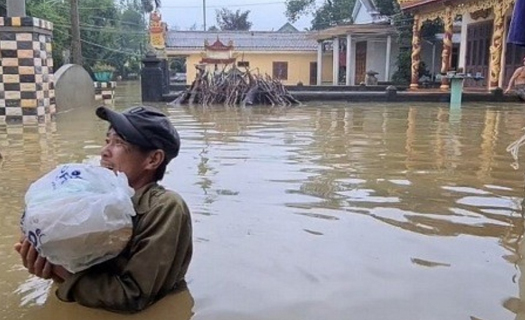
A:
(360, 62)
(313, 73)
(479, 38)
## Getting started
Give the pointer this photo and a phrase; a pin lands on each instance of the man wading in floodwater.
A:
(517, 81)
(140, 142)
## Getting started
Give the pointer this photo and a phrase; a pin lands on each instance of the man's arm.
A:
(513, 79)
(158, 239)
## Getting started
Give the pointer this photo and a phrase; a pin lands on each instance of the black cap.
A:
(145, 127)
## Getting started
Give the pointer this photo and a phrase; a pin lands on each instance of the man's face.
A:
(119, 155)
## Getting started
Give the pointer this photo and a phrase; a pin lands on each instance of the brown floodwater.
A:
(327, 211)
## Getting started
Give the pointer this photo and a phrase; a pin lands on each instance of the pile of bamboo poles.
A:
(234, 87)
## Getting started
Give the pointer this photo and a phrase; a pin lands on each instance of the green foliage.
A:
(178, 65)
(3, 8)
(112, 33)
(102, 67)
(404, 24)
(328, 14)
(332, 13)
(229, 20)
(387, 7)
(403, 75)
(297, 8)
(59, 15)
(149, 5)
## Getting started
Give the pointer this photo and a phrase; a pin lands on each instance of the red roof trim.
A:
(218, 46)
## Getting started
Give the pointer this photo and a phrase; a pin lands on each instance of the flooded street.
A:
(341, 211)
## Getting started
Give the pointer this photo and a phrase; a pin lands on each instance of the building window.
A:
(280, 70)
(243, 64)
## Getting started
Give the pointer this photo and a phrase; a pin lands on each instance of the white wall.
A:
(363, 16)
(376, 57)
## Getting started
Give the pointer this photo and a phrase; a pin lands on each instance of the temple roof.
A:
(188, 41)
(218, 46)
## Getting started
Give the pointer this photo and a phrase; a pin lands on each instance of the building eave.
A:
(417, 4)
(363, 30)
(189, 52)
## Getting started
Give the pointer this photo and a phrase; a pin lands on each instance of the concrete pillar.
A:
(465, 20)
(320, 63)
(388, 57)
(105, 92)
(16, 8)
(335, 60)
(27, 92)
(152, 78)
(348, 57)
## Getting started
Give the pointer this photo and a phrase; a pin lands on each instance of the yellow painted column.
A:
(416, 52)
(496, 49)
(446, 54)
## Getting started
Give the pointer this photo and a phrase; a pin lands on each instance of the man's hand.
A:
(507, 91)
(37, 265)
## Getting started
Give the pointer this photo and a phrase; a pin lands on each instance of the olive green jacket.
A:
(152, 265)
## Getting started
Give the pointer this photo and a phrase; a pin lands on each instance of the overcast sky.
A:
(265, 14)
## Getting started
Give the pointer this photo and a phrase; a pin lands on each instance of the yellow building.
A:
(288, 55)
(483, 49)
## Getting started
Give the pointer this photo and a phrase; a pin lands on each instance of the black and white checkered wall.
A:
(105, 92)
(27, 92)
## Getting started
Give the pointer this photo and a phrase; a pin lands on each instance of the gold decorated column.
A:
(416, 52)
(446, 54)
(496, 49)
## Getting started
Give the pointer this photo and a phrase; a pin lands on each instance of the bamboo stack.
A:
(234, 87)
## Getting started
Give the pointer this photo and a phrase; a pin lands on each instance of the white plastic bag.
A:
(79, 215)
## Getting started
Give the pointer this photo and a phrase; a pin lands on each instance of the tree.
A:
(59, 15)
(149, 5)
(193, 27)
(404, 23)
(329, 14)
(178, 65)
(229, 20)
(387, 7)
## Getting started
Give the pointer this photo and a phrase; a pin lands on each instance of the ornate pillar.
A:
(446, 54)
(496, 49)
(416, 50)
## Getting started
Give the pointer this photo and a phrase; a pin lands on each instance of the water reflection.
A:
(378, 211)
(439, 176)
